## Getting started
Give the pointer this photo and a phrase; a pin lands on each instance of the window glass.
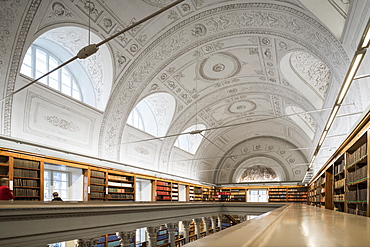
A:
(56, 181)
(38, 62)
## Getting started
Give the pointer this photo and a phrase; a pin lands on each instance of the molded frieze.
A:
(53, 121)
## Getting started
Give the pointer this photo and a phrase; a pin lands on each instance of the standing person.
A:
(5, 192)
(56, 197)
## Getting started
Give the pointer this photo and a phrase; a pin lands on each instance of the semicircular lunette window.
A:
(39, 61)
(153, 114)
(308, 75)
(190, 142)
(259, 173)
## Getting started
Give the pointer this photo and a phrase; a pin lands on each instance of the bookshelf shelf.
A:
(347, 173)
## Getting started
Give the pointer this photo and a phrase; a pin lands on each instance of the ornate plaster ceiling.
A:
(258, 74)
(223, 62)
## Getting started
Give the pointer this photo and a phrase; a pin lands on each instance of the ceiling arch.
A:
(289, 160)
(148, 74)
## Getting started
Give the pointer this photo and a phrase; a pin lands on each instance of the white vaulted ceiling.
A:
(261, 76)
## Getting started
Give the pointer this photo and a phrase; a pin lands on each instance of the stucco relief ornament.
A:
(62, 123)
(58, 10)
(199, 30)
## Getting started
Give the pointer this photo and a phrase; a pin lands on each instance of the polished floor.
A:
(295, 226)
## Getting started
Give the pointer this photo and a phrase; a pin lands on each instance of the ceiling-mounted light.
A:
(332, 117)
(365, 40)
(359, 55)
(323, 137)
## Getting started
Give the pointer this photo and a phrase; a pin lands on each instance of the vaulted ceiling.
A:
(262, 76)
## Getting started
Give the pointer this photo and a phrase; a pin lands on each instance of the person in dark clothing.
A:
(56, 197)
(5, 192)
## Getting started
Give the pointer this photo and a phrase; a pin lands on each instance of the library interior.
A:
(198, 123)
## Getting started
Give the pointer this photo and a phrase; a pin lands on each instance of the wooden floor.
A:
(294, 226)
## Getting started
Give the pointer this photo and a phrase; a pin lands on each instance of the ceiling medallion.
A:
(242, 106)
(212, 68)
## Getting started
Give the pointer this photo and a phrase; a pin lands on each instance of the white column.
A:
(172, 229)
(125, 237)
(88, 242)
(152, 235)
(214, 223)
(206, 224)
(186, 224)
(198, 221)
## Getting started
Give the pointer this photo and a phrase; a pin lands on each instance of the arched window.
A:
(190, 142)
(135, 119)
(153, 114)
(39, 61)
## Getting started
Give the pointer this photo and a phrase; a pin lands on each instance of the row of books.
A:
(97, 187)
(26, 163)
(97, 194)
(358, 174)
(356, 155)
(339, 168)
(97, 180)
(121, 178)
(128, 185)
(26, 192)
(339, 183)
(120, 196)
(339, 197)
(163, 188)
(161, 193)
(97, 174)
(163, 183)
(26, 182)
(26, 173)
(161, 198)
(356, 195)
(118, 190)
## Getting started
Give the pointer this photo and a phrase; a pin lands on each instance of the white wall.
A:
(143, 190)
(182, 193)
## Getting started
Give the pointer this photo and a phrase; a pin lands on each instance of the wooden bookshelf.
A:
(298, 194)
(27, 177)
(223, 194)
(163, 190)
(357, 178)
(174, 192)
(198, 193)
(190, 193)
(345, 176)
(4, 166)
(97, 184)
(339, 184)
(121, 187)
(277, 194)
(238, 195)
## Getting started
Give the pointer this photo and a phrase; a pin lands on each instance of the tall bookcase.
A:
(4, 166)
(27, 178)
(97, 184)
(277, 194)
(121, 187)
(162, 190)
(198, 193)
(357, 177)
(174, 192)
(339, 184)
(344, 181)
(238, 195)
